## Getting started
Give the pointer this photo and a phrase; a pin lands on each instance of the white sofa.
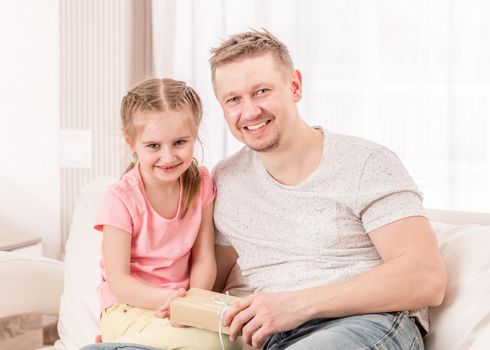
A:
(46, 286)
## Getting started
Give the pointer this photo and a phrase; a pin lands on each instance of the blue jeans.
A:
(385, 331)
(116, 346)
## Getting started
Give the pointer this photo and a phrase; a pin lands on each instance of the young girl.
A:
(157, 222)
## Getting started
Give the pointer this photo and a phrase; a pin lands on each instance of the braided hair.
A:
(158, 95)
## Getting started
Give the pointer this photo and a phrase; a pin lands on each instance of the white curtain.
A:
(411, 75)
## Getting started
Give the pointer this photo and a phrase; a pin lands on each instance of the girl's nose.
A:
(167, 155)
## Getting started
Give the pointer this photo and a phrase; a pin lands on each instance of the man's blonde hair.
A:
(247, 44)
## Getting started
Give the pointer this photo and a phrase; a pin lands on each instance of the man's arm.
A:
(412, 276)
(226, 257)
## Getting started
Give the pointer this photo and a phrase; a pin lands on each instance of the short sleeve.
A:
(114, 212)
(386, 191)
(208, 190)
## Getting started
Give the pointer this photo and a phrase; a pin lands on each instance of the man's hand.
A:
(261, 314)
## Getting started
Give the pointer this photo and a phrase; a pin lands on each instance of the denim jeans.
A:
(116, 346)
(385, 331)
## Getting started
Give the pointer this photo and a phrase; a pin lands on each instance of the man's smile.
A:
(251, 128)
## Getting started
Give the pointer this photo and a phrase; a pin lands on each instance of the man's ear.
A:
(296, 85)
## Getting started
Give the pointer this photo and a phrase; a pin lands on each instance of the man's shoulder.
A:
(355, 145)
(234, 164)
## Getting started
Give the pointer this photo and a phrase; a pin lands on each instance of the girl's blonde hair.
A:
(159, 95)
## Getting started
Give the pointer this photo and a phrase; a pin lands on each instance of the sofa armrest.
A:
(30, 284)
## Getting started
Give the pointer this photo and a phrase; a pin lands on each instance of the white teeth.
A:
(256, 126)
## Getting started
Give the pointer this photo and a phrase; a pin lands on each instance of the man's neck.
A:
(297, 158)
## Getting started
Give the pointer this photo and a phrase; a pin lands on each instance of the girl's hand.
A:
(164, 310)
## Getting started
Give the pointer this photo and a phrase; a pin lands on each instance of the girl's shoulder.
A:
(204, 171)
(128, 186)
(206, 178)
(208, 190)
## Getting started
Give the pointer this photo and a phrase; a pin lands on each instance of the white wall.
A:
(29, 120)
(105, 50)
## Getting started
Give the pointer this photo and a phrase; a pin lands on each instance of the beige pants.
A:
(123, 323)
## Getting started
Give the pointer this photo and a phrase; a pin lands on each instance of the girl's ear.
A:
(128, 140)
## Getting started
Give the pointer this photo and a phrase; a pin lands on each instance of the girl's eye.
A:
(180, 142)
(153, 145)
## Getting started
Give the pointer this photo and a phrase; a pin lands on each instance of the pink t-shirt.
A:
(160, 248)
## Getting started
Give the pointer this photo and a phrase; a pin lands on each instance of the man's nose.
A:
(251, 110)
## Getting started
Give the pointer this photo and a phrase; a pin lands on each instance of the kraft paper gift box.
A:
(201, 308)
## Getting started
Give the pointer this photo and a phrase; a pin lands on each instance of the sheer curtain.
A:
(413, 76)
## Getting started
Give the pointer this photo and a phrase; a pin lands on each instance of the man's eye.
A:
(233, 99)
(180, 142)
(153, 145)
(261, 91)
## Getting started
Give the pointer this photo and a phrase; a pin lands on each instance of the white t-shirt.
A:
(314, 233)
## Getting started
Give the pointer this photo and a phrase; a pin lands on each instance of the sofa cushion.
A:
(465, 313)
(79, 308)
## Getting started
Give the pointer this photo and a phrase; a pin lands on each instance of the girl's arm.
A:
(203, 266)
(116, 249)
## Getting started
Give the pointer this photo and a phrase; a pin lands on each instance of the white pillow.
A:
(78, 322)
(465, 313)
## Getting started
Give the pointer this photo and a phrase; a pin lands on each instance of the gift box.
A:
(201, 308)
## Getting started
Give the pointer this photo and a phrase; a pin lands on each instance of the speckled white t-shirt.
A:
(315, 233)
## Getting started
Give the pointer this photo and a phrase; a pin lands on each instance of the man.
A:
(328, 229)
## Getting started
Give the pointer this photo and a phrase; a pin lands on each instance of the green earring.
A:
(134, 158)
